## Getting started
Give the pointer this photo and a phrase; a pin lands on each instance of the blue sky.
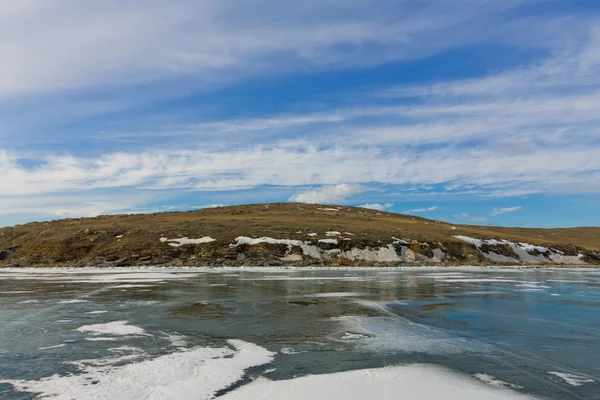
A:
(483, 112)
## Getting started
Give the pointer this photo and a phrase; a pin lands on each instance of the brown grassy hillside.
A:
(134, 239)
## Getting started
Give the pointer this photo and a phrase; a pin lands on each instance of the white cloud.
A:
(566, 169)
(500, 211)
(78, 204)
(204, 40)
(422, 210)
(212, 206)
(327, 194)
(441, 133)
(470, 218)
(378, 206)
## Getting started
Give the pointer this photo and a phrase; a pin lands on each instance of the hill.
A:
(287, 234)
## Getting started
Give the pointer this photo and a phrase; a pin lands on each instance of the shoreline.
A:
(306, 268)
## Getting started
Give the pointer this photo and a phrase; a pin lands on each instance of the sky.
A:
(466, 111)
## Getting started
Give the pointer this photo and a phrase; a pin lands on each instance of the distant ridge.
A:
(287, 234)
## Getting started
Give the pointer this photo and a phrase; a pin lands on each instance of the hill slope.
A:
(286, 233)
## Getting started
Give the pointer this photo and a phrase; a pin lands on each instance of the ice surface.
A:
(496, 382)
(129, 286)
(94, 275)
(572, 379)
(407, 382)
(52, 347)
(74, 301)
(17, 292)
(191, 374)
(477, 280)
(175, 340)
(381, 335)
(339, 294)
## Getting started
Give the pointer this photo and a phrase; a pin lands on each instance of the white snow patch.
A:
(175, 340)
(524, 252)
(191, 374)
(353, 336)
(101, 339)
(329, 209)
(572, 379)
(561, 259)
(185, 240)
(52, 347)
(96, 312)
(333, 233)
(331, 241)
(311, 234)
(250, 241)
(117, 328)
(74, 301)
(129, 286)
(476, 242)
(289, 350)
(411, 382)
(16, 291)
(119, 237)
(496, 382)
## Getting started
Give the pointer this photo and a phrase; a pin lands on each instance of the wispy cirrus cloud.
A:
(213, 40)
(504, 210)
(302, 163)
(421, 210)
(469, 218)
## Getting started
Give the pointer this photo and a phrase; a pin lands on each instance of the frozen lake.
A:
(316, 333)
